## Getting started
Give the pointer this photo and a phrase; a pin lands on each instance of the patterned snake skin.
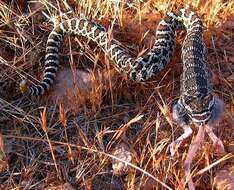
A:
(196, 104)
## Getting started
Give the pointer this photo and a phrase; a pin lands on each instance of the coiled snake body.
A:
(197, 103)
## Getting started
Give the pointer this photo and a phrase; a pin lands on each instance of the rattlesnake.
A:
(196, 104)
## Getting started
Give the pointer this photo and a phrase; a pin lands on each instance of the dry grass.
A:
(44, 145)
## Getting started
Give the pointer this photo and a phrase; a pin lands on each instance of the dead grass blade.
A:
(43, 121)
(224, 158)
(62, 115)
(45, 129)
(94, 151)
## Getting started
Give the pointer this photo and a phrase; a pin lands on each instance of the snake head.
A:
(197, 109)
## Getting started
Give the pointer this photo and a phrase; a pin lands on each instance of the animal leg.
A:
(191, 153)
(217, 142)
(176, 144)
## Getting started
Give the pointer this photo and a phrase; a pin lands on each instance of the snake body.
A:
(196, 103)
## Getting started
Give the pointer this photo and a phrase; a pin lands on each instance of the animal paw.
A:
(219, 147)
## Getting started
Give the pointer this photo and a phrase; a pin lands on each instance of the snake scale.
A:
(196, 104)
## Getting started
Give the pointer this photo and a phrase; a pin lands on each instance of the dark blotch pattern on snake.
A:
(196, 104)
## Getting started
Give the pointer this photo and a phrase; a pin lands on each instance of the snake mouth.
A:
(201, 118)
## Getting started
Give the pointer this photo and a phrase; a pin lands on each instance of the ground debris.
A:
(123, 152)
(65, 186)
(224, 179)
(3, 157)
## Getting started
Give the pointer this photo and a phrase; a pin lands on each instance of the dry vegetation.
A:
(48, 144)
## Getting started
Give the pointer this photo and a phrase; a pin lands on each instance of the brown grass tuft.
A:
(48, 147)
